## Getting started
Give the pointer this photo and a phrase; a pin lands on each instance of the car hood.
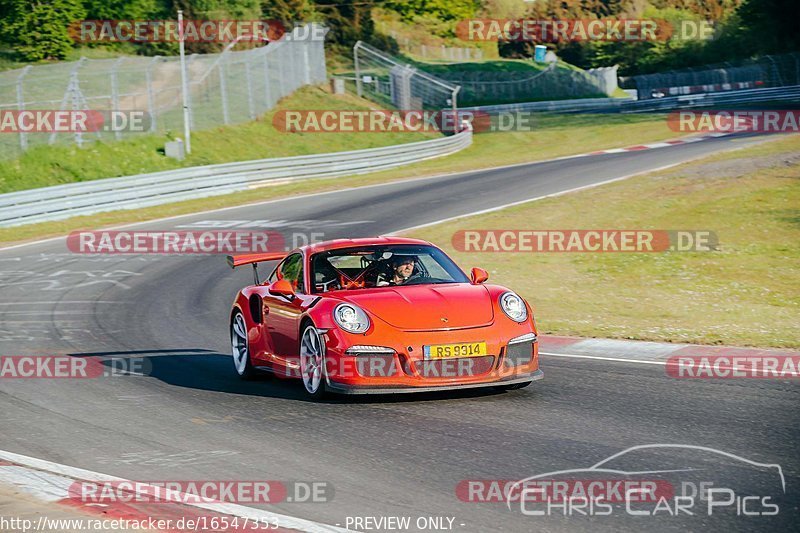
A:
(428, 307)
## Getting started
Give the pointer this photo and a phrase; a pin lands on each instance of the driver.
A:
(402, 268)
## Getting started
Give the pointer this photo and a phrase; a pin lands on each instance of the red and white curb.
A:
(50, 483)
(643, 352)
(650, 146)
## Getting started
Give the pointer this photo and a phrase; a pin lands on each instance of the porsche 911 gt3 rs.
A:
(380, 315)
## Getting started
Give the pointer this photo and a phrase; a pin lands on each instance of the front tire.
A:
(240, 348)
(312, 363)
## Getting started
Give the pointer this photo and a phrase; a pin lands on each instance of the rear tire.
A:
(312, 363)
(240, 348)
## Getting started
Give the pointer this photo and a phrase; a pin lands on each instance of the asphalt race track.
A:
(192, 418)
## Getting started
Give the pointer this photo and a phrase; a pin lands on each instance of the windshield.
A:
(382, 266)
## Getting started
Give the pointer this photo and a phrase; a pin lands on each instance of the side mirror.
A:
(282, 288)
(478, 275)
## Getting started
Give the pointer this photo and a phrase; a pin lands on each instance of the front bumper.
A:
(341, 388)
(406, 369)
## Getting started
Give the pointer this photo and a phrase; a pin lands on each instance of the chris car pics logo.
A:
(664, 480)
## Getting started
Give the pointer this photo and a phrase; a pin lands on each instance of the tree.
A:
(288, 11)
(447, 10)
(348, 20)
(125, 9)
(770, 26)
(38, 29)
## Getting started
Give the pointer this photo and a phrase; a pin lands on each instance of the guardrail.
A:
(628, 105)
(722, 98)
(143, 190)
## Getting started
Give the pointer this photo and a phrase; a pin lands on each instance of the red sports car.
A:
(381, 315)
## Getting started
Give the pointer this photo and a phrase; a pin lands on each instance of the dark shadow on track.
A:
(201, 369)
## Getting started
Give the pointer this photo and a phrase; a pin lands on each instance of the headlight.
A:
(513, 306)
(351, 318)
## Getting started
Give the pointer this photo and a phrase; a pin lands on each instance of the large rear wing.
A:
(250, 259)
(253, 259)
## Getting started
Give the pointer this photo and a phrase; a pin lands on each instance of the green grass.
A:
(746, 293)
(554, 136)
(52, 165)
(493, 66)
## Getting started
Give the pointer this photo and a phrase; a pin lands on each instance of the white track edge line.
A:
(661, 363)
(601, 358)
(233, 509)
(520, 202)
(297, 197)
(582, 187)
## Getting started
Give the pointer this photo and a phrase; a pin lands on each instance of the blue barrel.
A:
(539, 53)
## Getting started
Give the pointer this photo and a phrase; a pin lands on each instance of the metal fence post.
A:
(306, 64)
(115, 92)
(250, 104)
(776, 70)
(281, 54)
(151, 102)
(223, 89)
(23, 136)
(75, 93)
(297, 66)
(187, 119)
(267, 96)
(359, 90)
(189, 91)
(72, 92)
(455, 104)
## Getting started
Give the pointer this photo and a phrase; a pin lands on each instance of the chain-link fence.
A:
(767, 71)
(553, 83)
(439, 52)
(454, 54)
(225, 88)
(391, 83)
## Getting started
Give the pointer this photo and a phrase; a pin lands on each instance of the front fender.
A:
(495, 291)
(322, 313)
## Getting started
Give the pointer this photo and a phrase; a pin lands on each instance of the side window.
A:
(275, 274)
(291, 269)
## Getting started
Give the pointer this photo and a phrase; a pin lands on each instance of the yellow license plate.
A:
(464, 349)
